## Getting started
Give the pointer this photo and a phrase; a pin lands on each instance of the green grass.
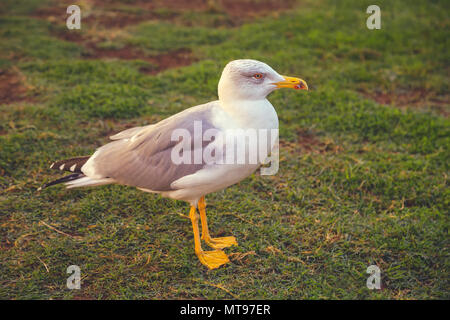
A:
(371, 187)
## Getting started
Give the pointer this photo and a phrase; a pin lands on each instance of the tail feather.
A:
(77, 178)
(68, 178)
(88, 182)
(71, 165)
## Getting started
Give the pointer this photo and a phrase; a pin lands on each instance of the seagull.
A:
(148, 157)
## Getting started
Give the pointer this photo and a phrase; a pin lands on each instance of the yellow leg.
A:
(216, 243)
(211, 259)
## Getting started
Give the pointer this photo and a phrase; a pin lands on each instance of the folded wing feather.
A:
(141, 156)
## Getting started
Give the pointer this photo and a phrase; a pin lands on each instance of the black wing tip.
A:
(68, 178)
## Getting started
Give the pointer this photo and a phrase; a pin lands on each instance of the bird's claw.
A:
(220, 243)
(213, 259)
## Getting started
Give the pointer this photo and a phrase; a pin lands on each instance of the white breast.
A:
(255, 114)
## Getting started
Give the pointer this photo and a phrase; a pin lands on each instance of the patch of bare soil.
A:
(70, 35)
(105, 17)
(125, 53)
(12, 87)
(307, 142)
(160, 62)
(173, 59)
(112, 15)
(237, 8)
(159, 4)
(167, 60)
(120, 19)
(253, 8)
(417, 98)
(55, 13)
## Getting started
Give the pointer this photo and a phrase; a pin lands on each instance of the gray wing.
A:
(145, 160)
(128, 133)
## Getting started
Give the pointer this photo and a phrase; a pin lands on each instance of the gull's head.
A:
(247, 79)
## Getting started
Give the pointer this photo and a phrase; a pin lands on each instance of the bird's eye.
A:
(257, 76)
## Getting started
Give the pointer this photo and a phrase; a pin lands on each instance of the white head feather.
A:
(247, 79)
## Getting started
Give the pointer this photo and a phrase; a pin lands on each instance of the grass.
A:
(360, 183)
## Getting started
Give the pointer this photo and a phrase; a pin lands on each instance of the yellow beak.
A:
(291, 82)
